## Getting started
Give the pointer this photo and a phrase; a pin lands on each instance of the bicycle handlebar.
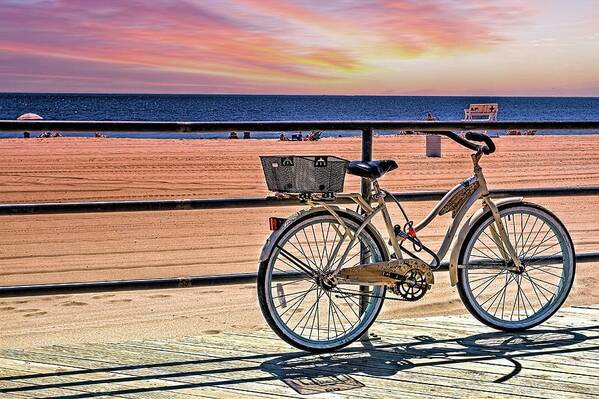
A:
(467, 142)
(489, 146)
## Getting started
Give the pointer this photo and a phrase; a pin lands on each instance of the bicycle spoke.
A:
(297, 301)
(329, 319)
(325, 253)
(349, 305)
(314, 311)
(335, 310)
(301, 280)
(292, 294)
(291, 265)
(528, 236)
(538, 286)
(538, 245)
(308, 313)
(333, 246)
(507, 276)
(527, 300)
(296, 305)
(492, 296)
(519, 292)
(301, 266)
(317, 247)
(487, 278)
(488, 283)
(347, 251)
(544, 250)
(300, 250)
(335, 253)
(366, 254)
(520, 238)
(482, 254)
(541, 269)
(342, 313)
(545, 282)
(310, 248)
(534, 288)
(493, 241)
(537, 234)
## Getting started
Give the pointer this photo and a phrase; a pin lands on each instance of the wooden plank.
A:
(219, 346)
(377, 383)
(138, 355)
(442, 351)
(542, 364)
(393, 356)
(592, 307)
(74, 386)
(453, 356)
(578, 339)
(145, 384)
(163, 349)
(587, 349)
(217, 349)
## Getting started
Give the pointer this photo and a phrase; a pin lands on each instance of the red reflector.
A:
(411, 232)
(275, 223)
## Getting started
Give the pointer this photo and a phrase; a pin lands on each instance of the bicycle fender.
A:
(459, 241)
(274, 237)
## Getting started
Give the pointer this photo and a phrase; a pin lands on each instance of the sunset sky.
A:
(402, 47)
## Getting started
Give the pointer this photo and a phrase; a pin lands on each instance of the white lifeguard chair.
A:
(481, 112)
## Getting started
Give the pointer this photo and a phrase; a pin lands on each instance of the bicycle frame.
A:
(458, 201)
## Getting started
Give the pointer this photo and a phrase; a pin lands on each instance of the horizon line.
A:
(289, 94)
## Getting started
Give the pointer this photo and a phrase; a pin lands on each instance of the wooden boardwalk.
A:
(449, 357)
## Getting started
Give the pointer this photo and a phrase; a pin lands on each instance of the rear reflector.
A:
(281, 295)
(275, 223)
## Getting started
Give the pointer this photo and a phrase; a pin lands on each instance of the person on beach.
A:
(430, 117)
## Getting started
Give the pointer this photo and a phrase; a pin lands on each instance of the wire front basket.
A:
(304, 174)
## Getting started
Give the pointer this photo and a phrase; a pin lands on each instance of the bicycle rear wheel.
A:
(298, 301)
(510, 300)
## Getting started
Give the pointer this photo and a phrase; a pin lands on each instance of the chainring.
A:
(413, 285)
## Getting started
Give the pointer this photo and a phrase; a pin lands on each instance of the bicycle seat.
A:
(371, 169)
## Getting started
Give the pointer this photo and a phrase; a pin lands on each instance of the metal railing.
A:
(366, 127)
(285, 126)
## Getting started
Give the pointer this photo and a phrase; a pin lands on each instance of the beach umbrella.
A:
(29, 117)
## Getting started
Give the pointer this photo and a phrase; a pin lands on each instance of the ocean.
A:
(159, 107)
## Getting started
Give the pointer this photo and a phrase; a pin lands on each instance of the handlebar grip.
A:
(489, 146)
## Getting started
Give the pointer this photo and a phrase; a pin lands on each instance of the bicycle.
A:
(513, 261)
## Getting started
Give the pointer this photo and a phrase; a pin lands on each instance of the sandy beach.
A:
(85, 247)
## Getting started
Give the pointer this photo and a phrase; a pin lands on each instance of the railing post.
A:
(366, 190)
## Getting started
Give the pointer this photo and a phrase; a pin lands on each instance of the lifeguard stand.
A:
(482, 112)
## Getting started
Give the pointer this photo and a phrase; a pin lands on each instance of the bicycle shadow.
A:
(305, 371)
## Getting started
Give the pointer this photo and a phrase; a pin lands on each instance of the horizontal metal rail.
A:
(255, 202)
(263, 126)
(277, 126)
(173, 282)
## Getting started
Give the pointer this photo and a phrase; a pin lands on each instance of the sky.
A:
(373, 47)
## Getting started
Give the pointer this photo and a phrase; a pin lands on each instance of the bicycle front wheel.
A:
(512, 300)
(298, 300)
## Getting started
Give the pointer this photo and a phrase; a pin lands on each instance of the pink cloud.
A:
(237, 45)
